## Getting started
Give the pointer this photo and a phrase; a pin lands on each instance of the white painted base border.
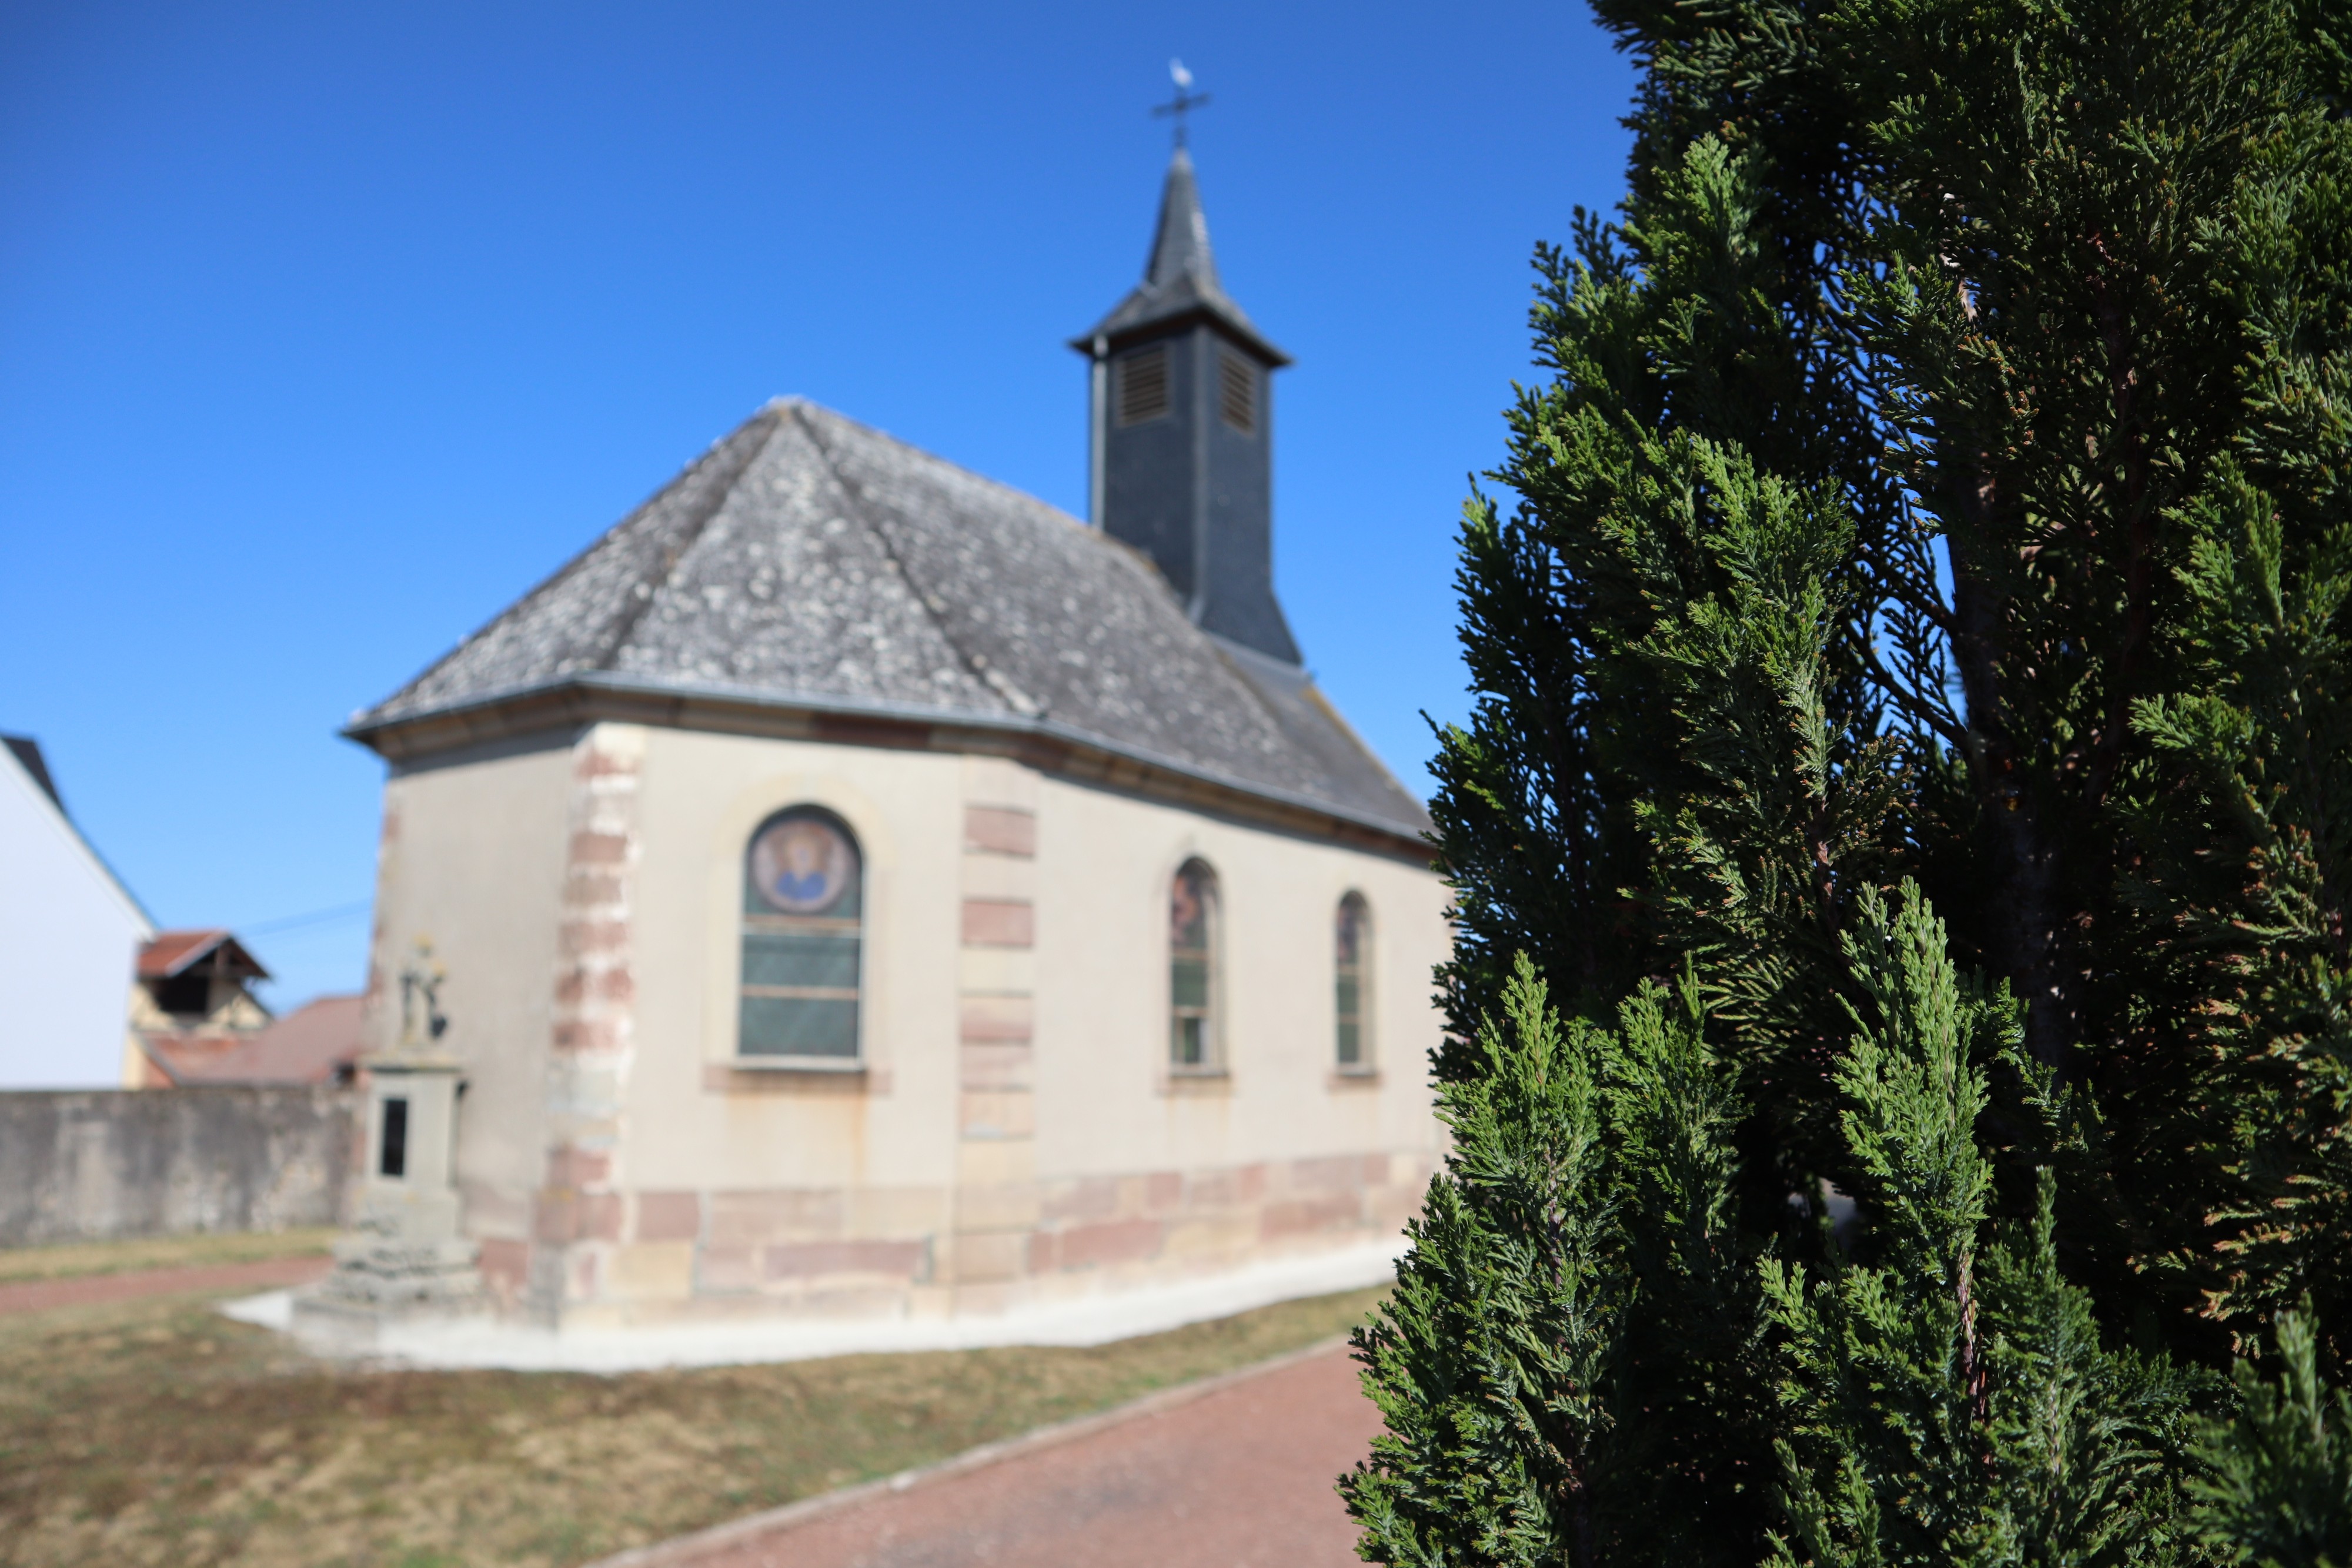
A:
(1089, 1320)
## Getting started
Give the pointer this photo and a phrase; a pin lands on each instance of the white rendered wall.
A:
(471, 863)
(68, 938)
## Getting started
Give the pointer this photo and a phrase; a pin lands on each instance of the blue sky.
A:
(326, 331)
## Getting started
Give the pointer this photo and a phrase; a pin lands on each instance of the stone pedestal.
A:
(403, 1256)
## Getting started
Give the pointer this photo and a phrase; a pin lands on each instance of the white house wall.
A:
(471, 868)
(70, 938)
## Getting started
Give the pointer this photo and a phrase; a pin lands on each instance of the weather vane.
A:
(1184, 102)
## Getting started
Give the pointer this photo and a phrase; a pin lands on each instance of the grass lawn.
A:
(158, 1432)
(67, 1260)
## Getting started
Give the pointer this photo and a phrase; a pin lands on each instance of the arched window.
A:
(1192, 968)
(804, 916)
(1354, 969)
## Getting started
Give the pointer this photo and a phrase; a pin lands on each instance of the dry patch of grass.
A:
(67, 1260)
(158, 1432)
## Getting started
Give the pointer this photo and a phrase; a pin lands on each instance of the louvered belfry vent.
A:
(1143, 384)
(1237, 392)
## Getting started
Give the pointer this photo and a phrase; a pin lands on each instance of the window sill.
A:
(1352, 1078)
(801, 1075)
(1195, 1081)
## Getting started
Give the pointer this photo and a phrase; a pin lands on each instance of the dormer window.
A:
(1142, 376)
(199, 979)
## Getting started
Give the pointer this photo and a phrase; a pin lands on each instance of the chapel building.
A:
(852, 885)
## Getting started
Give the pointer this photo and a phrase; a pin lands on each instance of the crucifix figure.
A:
(1184, 102)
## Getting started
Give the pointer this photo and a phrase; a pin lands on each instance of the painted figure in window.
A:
(1191, 914)
(800, 865)
(803, 939)
(1354, 933)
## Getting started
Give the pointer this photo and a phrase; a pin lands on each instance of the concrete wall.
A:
(112, 1163)
(68, 938)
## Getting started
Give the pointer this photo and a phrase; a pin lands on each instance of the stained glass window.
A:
(1192, 982)
(803, 920)
(1354, 931)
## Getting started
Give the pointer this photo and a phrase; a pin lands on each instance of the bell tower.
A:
(1183, 418)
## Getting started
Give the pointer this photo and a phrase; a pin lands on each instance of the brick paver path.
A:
(1237, 1478)
(84, 1290)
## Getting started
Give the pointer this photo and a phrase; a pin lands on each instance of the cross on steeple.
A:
(1184, 102)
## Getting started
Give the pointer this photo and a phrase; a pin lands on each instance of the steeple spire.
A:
(1179, 277)
(1181, 244)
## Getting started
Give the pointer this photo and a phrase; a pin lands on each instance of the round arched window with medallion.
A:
(804, 921)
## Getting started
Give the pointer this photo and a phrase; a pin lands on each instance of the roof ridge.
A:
(578, 558)
(995, 680)
(690, 534)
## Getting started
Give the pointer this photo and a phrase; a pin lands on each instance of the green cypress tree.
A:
(1939, 484)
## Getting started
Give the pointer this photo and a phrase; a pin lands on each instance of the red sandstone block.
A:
(555, 1216)
(1376, 1170)
(749, 1219)
(1088, 1197)
(995, 1020)
(600, 1216)
(1117, 1242)
(1298, 1215)
(587, 1034)
(804, 1260)
(668, 1217)
(1045, 1252)
(590, 983)
(577, 1167)
(596, 764)
(998, 923)
(599, 849)
(505, 1265)
(1164, 1190)
(1000, 829)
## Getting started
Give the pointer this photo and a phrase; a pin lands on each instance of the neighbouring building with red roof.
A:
(194, 1019)
(319, 1042)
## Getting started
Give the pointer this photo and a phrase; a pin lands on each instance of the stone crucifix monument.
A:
(404, 1254)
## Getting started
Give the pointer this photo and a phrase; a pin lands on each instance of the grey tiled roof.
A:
(808, 559)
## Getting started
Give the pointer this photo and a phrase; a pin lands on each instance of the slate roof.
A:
(1180, 280)
(808, 560)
